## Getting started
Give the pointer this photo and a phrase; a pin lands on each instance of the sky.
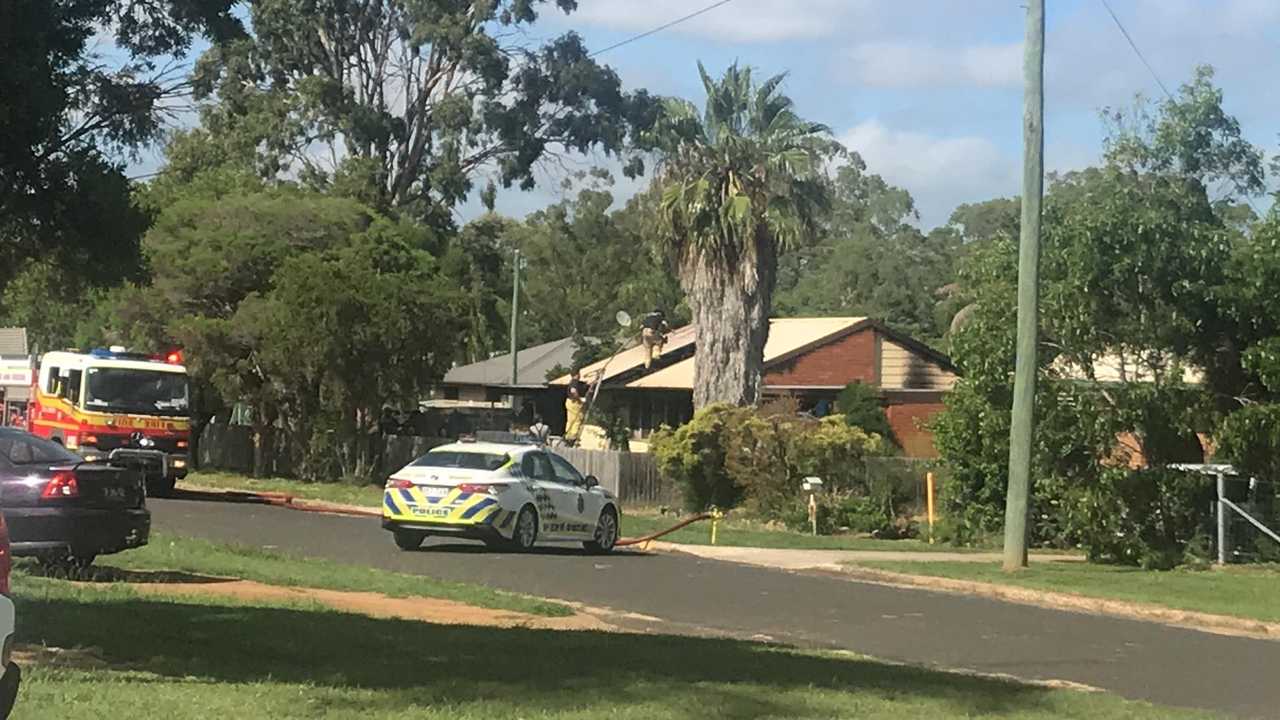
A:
(929, 92)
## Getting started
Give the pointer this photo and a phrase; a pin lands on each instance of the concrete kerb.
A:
(809, 561)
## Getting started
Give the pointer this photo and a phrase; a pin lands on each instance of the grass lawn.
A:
(335, 492)
(189, 658)
(1242, 591)
(747, 533)
(200, 557)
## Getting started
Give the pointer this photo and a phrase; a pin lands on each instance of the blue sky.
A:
(929, 91)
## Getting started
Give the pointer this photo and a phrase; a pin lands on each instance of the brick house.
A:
(809, 359)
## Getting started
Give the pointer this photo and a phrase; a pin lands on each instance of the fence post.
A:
(1222, 519)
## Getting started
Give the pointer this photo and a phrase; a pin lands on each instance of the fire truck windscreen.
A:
(143, 392)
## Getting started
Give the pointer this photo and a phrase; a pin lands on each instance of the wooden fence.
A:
(633, 477)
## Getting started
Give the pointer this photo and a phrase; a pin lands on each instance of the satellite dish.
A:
(623, 318)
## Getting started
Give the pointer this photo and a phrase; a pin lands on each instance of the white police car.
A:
(507, 495)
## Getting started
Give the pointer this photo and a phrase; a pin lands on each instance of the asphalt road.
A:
(1138, 660)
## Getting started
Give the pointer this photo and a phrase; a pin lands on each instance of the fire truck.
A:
(110, 405)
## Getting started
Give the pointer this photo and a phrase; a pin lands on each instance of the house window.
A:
(451, 393)
(492, 395)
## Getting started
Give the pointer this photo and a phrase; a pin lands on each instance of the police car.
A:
(507, 495)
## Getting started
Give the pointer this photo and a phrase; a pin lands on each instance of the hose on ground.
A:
(654, 536)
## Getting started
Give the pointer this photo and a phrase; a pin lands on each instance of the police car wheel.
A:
(408, 539)
(526, 530)
(606, 533)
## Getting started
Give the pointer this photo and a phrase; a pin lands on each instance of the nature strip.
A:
(1190, 619)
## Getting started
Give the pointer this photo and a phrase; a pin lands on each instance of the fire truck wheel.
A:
(161, 488)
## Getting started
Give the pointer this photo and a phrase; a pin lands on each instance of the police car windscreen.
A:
(145, 392)
(464, 460)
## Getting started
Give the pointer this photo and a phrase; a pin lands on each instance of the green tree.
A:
(68, 116)
(402, 104)
(312, 310)
(870, 259)
(741, 182)
(586, 262)
(478, 261)
(1191, 137)
(372, 313)
(860, 405)
(1130, 264)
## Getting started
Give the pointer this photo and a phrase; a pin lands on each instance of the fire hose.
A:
(292, 502)
(654, 536)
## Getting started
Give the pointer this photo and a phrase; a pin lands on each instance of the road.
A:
(1164, 665)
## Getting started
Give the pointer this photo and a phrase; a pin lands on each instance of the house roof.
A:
(1116, 367)
(679, 343)
(787, 338)
(13, 341)
(534, 364)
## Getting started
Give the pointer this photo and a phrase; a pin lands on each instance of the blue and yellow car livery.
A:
(459, 508)
(503, 493)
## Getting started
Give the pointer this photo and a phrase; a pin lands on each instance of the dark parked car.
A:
(12, 676)
(66, 511)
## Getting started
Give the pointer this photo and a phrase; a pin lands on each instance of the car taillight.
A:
(476, 488)
(394, 484)
(61, 485)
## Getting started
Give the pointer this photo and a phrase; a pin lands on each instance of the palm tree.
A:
(740, 183)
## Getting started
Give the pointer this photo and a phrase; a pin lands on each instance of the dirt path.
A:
(377, 605)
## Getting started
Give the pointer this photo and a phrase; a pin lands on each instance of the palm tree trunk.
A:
(730, 300)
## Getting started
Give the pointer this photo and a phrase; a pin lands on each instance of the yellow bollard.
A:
(715, 522)
(928, 478)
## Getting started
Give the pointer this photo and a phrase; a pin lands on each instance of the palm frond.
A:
(745, 169)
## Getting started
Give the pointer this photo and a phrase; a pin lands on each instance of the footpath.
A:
(791, 559)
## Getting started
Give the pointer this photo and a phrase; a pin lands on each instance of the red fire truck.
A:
(128, 408)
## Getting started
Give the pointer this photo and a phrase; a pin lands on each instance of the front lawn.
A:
(190, 658)
(1241, 591)
(201, 557)
(335, 492)
(743, 532)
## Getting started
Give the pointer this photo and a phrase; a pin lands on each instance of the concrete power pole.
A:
(1024, 377)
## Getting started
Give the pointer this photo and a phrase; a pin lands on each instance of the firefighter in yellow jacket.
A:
(574, 406)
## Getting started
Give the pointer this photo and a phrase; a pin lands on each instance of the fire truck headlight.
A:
(179, 463)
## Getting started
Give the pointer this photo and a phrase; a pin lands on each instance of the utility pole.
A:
(515, 322)
(1024, 374)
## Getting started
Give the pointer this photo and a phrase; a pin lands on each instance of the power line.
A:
(660, 28)
(1156, 77)
(1136, 51)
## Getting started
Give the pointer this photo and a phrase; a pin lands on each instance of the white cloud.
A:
(902, 64)
(940, 172)
(741, 21)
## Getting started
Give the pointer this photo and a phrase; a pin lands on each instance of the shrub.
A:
(728, 456)
(1157, 518)
(769, 457)
(693, 457)
(860, 406)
